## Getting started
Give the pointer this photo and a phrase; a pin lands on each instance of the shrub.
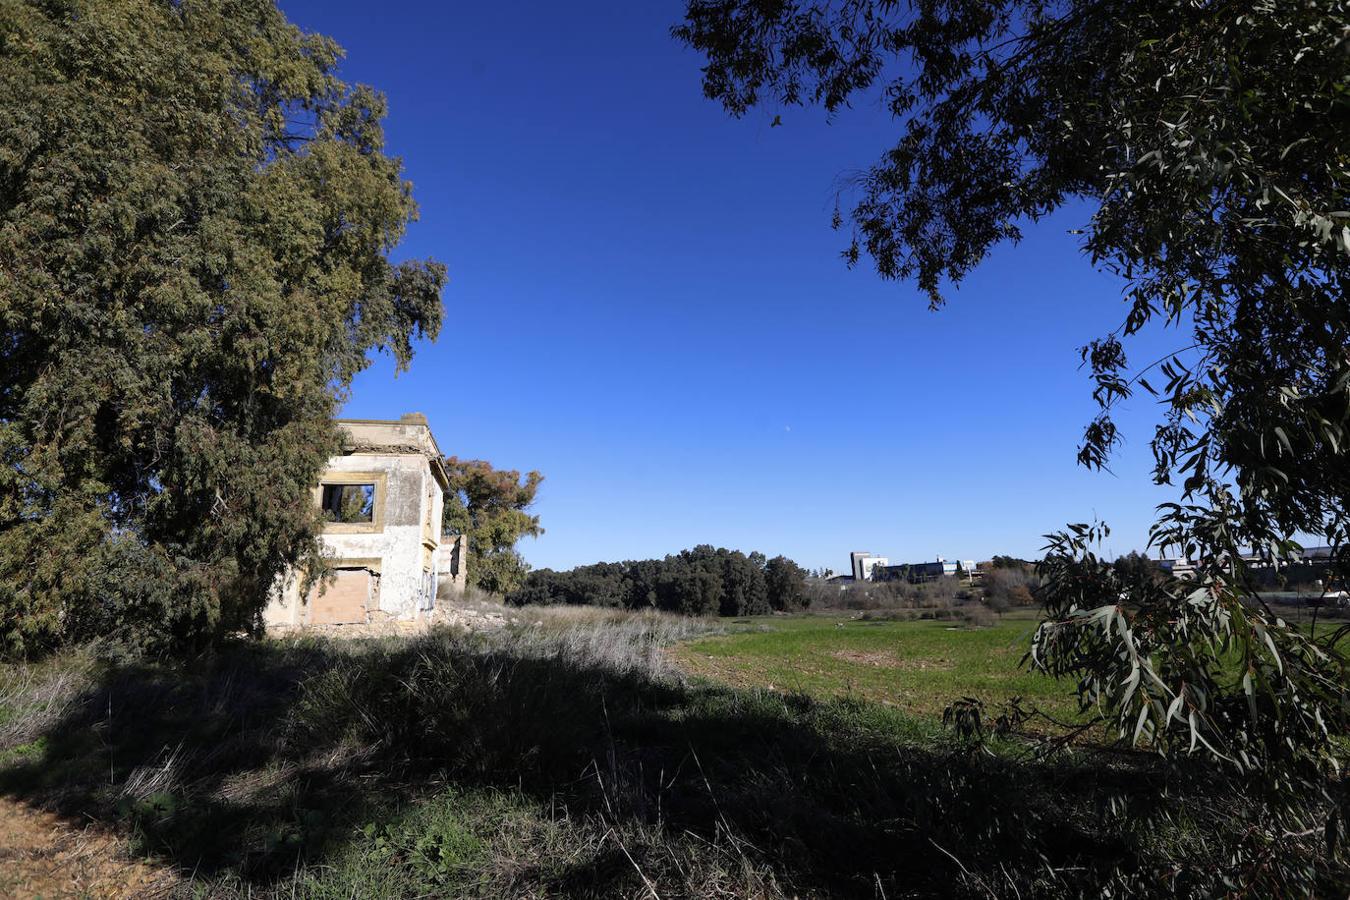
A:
(977, 615)
(997, 603)
(1009, 587)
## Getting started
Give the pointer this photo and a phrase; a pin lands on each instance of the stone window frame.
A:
(376, 524)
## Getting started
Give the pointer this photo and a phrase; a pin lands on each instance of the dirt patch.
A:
(43, 856)
(887, 660)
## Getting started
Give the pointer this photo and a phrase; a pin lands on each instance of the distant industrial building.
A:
(864, 566)
(926, 571)
(861, 564)
(1177, 566)
(1311, 565)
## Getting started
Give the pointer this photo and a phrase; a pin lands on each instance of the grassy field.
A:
(568, 757)
(918, 667)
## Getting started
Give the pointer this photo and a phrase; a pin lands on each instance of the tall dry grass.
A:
(625, 642)
(34, 696)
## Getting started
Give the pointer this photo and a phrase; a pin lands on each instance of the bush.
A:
(977, 615)
(942, 593)
(1009, 587)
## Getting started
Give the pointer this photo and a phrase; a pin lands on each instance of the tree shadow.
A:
(267, 755)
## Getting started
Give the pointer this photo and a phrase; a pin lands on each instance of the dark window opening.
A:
(349, 502)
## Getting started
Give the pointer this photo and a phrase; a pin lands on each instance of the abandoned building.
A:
(382, 500)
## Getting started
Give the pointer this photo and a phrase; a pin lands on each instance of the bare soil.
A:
(42, 855)
(890, 660)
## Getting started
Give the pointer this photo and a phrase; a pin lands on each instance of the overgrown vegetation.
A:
(566, 759)
(706, 580)
(196, 217)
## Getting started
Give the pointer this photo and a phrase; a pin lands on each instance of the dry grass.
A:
(163, 775)
(33, 696)
(625, 642)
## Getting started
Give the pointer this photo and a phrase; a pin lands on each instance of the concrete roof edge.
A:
(436, 457)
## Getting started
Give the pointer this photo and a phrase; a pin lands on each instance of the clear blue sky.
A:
(646, 303)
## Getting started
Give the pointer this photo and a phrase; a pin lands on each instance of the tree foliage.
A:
(786, 583)
(1210, 143)
(1136, 566)
(704, 581)
(491, 506)
(196, 217)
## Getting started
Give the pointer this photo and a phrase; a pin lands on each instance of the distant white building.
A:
(878, 568)
(862, 563)
(1177, 566)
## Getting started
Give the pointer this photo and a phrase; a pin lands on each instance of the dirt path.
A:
(43, 856)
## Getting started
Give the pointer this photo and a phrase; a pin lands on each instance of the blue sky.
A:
(646, 303)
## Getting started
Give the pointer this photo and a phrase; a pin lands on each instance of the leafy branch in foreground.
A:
(1187, 664)
(1202, 665)
(1211, 142)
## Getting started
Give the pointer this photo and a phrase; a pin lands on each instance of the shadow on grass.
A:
(265, 757)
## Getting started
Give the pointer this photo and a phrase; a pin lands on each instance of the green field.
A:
(918, 667)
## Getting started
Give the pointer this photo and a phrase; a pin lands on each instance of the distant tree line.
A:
(1010, 562)
(699, 582)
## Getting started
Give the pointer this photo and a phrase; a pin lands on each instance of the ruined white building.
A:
(382, 500)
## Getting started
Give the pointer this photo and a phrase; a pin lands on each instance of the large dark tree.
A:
(786, 583)
(1209, 144)
(196, 217)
